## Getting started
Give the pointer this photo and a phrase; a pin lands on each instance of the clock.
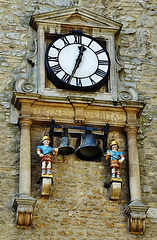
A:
(76, 61)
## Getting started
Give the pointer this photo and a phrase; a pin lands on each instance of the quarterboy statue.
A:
(46, 152)
(116, 158)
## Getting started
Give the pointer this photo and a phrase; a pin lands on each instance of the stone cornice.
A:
(76, 110)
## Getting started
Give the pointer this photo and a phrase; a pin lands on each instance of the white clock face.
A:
(77, 62)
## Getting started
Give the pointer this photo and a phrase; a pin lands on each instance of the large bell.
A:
(65, 147)
(89, 148)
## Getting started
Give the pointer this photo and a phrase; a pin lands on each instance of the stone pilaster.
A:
(134, 172)
(25, 157)
(135, 211)
(41, 58)
(24, 204)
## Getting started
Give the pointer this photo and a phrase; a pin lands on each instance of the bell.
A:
(65, 147)
(89, 148)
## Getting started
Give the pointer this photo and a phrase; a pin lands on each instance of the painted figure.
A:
(116, 158)
(46, 152)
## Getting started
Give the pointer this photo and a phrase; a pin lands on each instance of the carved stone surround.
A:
(33, 102)
(49, 25)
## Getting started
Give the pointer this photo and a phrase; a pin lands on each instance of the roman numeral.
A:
(100, 73)
(92, 81)
(90, 42)
(100, 51)
(65, 78)
(58, 49)
(103, 62)
(56, 68)
(78, 39)
(53, 59)
(78, 82)
(65, 40)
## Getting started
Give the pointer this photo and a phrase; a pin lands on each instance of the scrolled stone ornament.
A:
(124, 95)
(28, 87)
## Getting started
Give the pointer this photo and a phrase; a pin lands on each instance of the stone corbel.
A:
(136, 213)
(115, 189)
(47, 181)
(24, 207)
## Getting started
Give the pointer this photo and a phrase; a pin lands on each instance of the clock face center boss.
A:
(77, 62)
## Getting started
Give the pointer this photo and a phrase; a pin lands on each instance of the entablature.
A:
(76, 110)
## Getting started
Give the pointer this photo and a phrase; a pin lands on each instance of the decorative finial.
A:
(36, 9)
(76, 2)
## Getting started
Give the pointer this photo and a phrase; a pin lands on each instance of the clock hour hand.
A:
(78, 61)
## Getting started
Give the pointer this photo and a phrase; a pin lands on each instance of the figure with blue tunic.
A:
(46, 152)
(116, 158)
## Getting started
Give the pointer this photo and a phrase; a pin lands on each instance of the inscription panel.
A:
(106, 116)
(52, 112)
(64, 114)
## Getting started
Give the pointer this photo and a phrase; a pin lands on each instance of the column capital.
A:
(40, 27)
(25, 121)
(131, 128)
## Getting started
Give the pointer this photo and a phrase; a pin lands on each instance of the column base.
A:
(136, 213)
(24, 207)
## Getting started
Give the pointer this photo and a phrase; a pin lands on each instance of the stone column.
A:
(25, 158)
(135, 211)
(134, 172)
(24, 204)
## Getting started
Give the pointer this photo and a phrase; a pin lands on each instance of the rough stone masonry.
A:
(79, 207)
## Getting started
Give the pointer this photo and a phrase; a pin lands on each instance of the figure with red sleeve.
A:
(46, 152)
(116, 158)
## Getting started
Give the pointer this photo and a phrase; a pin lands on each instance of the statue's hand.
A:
(41, 155)
(55, 152)
(108, 155)
(121, 159)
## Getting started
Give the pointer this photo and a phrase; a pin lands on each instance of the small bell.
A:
(65, 147)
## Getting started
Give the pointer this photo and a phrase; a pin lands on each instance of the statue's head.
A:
(114, 144)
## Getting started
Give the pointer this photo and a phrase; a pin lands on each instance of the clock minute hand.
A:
(78, 61)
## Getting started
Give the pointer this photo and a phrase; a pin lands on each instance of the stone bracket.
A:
(24, 207)
(115, 189)
(136, 213)
(47, 181)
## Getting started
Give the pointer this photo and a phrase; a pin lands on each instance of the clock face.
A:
(77, 62)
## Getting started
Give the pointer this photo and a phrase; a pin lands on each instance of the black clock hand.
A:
(78, 61)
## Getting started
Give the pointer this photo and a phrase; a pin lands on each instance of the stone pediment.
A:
(74, 16)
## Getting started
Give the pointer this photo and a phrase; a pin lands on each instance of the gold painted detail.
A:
(47, 175)
(115, 180)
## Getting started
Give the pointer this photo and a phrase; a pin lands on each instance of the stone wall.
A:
(79, 205)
